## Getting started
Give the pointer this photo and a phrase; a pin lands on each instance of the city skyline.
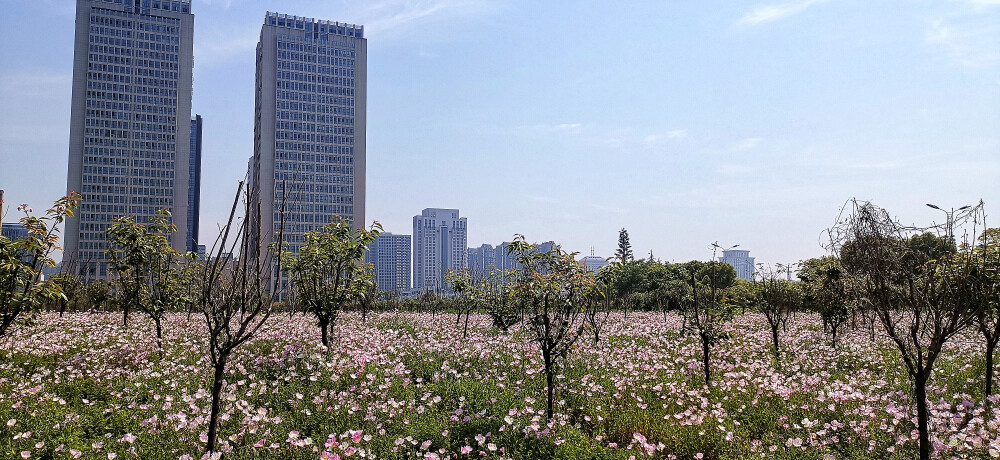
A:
(749, 125)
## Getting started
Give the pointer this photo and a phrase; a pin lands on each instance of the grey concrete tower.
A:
(309, 125)
(439, 245)
(130, 125)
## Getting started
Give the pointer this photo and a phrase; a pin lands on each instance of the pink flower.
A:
(25, 454)
(356, 436)
(466, 450)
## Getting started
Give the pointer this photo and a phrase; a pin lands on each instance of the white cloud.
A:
(882, 165)
(387, 15)
(769, 13)
(748, 143)
(574, 128)
(972, 42)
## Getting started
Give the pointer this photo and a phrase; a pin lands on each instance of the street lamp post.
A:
(950, 222)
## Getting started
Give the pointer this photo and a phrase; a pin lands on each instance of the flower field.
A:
(409, 386)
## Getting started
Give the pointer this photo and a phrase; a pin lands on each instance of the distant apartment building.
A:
(439, 246)
(482, 259)
(594, 263)
(13, 230)
(129, 140)
(390, 255)
(740, 260)
(498, 258)
(309, 126)
(194, 184)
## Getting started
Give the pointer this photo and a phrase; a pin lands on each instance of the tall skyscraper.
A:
(390, 254)
(740, 260)
(439, 245)
(194, 185)
(309, 125)
(130, 120)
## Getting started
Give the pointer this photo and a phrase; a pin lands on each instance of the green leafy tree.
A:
(366, 290)
(777, 299)
(322, 274)
(707, 309)
(73, 289)
(467, 287)
(554, 288)
(986, 261)
(146, 269)
(22, 290)
(498, 296)
(825, 292)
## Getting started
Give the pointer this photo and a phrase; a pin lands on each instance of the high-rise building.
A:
(130, 120)
(482, 259)
(309, 125)
(740, 260)
(390, 254)
(439, 246)
(194, 185)
(13, 230)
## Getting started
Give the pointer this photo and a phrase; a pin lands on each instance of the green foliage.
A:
(22, 291)
(324, 275)
(624, 252)
(824, 291)
(554, 288)
(145, 268)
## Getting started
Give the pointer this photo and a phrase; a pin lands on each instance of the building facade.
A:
(740, 260)
(309, 126)
(594, 263)
(129, 122)
(194, 185)
(439, 246)
(390, 255)
(482, 259)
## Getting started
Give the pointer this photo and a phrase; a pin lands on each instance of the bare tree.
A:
(920, 300)
(236, 300)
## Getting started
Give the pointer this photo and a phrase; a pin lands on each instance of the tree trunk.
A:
(125, 315)
(323, 323)
(774, 341)
(549, 381)
(159, 333)
(705, 349)
(833, 330)
(465, 331)
(920, 394)
(213, 421)
(62, 308)
(990, 349)
(364, 314)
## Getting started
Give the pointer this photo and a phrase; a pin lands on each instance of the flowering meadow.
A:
(408, 385)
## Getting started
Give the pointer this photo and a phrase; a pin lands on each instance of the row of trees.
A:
(921, 289)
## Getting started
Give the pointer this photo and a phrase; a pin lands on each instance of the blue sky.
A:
(684, 122)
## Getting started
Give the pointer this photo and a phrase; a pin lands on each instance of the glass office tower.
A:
(309, 130)
(194, 185)
(130, 121)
